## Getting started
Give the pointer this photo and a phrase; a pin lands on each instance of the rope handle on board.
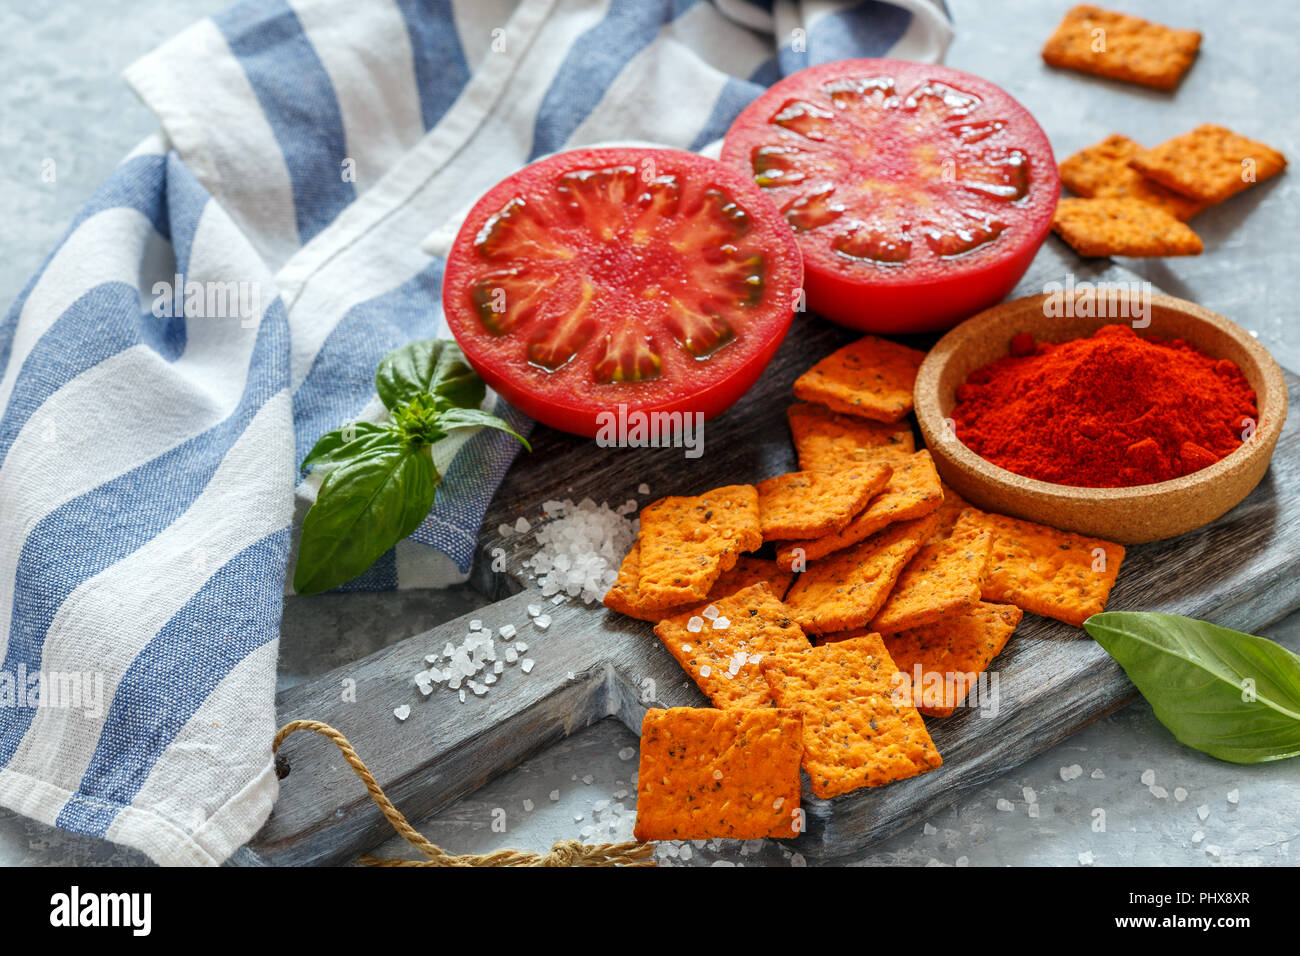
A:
(564, 853)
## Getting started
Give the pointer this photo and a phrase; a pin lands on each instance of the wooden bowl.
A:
(1126, 515)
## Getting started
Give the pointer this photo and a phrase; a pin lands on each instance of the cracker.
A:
(848, 588)
(943, 579)
(949, 511)
(1122, 227)
(871, 378)
(913, 491)
(1054, 573)
(1121, 47)
(952, 654)
(828, 441)
(809, 504)
(859, 727)
(1102, 171)
(730, 774)
(686, 542)
(1209, 164)
(723, 662)
(625, 597)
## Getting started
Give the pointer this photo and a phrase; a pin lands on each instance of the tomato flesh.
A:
(655, 279)
(918, 194)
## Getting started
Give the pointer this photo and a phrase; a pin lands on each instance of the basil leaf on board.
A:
(435, 367)
(350, 441)
(1231, 695)
(364, 507)
(474, 417)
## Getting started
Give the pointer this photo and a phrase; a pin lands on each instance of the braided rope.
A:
(564, 853)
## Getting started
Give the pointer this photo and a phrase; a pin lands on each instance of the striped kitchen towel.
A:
(223, 300)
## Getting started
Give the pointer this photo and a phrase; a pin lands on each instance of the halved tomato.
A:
(919, 194)
(651, 278)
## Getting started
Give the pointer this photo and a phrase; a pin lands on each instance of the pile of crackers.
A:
(886, 597)
(1136, 201)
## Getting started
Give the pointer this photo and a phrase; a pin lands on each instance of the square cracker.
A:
(1121, 47)
(952, 654)
(828, 441)
(859, 726)
(870, 378)
(913, 491)
(731, 774)
(723, 662)
(1122, 227)
(848, 588)
(949, 511)
(1102, 171)
(625, 598)
(686, 542)
(809, 504)
(943, 579)
(1209, 164)
(1054, 573)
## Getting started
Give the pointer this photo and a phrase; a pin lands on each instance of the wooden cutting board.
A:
(1242, 571)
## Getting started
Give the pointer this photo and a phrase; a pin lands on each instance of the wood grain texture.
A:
(1240, 571)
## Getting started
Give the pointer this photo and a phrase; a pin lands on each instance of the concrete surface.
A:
(1137, 797)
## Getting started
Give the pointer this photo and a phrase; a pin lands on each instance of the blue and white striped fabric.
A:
(223, 300)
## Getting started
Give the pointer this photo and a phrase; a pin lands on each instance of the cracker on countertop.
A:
(944, 578)
(625, 598)
(1102, 171)
(870, 378)
(913, 491)
(828, 441)
(1122, 227)
(809, 504)
(846, 589)
(724, 661)
(859, 726)
(1209, 164)
(687, 542)
(1121, 47)
(952, 654)
(729, 774)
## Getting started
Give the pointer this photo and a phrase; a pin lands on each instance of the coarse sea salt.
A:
(579, 549)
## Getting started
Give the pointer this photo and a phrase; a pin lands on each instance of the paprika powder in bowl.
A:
(1106, 504)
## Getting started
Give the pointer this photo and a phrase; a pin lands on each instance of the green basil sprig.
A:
(1231, 695)
(382, 479)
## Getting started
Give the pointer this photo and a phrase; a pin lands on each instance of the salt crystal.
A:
(798, 860)
(627, 753)
(1198, 836)
(507, 631)
(476, 625)
(588, 779)
(528, 806)
(643, 489)
(687, 853)
(542, 621)
(534, 610)
(1203, 812)
(721, 623)
(1032, 810)
(462, 695)
(1234, 796)
(929, 829)
(555, 796)
(963, 861)
(520, 646)
(526, 665)
(577, 818)
(1085, 858)
(448, 649)
(1005, 805)
(1097, 775)
(559, 599)
(1180, 794)
(1071, 772)
(489, 678)
(1148, 777)
(505, 530)
(426, 689)
(717, 775)
(711, 612)
(402, 712)
(522, 525)
(478, 689)
(431, 658)
(778, 803)
(498, 667)
(1213, 850)
(695, 624)
(1029, 795)
(706, 670)
(1160, 793)
(511, 655)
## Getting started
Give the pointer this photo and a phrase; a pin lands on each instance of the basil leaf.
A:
(435, 367)
(1231, 695)
(473, 418)
(350, 441)
(364, 507)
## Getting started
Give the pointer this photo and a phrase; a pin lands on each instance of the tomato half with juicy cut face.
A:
(654, 279)
(919, 194)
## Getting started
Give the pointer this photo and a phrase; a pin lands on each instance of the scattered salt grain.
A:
(588, 779)
(577, 818)
(627, 753)
(402, 712)
(1071, 772)
(1180, 794)
(505, 530)
(1234, 796)
(1097, 774)
(526, 665)
(498, 667)
(520, 646)
(1032, 810)
(695, 624)
(462, 695)
(476, 625)
(706, 670)
(528, 806)
(711, 612)
(507, 631)
(963, 861)
(643, 489)
(721, 623)
(542, 621)
(1148, 777)
(555, 796)
(1198, 836)
(1029, 794)
(1203, 812)
(778, 803)
(1085, 858)
(534, 610)
(1005, 805)
(929, 829)
(523, 525)
(798, 860)
(1213, 850)
(558, 599)
(1159, 792)
(717, 775)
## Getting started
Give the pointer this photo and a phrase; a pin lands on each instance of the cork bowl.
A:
(1126, 515)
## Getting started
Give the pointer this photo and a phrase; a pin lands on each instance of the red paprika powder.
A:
(1108, 411)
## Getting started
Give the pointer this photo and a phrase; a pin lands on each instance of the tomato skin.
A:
(708, 386)
(891, 300)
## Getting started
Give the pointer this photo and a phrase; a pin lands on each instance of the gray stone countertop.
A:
(60, 98)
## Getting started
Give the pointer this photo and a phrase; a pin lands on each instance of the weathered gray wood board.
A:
(1242, 571)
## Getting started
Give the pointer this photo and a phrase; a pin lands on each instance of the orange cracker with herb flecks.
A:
(870, 378)
(913, 491)
(729, 774)
(1057, 574)
(687, 542)
(828, 441)
(848, 588)
(859, 726)
(1121, 47)
(1209, 164)
(952, 654)
(1122, 227)
(809, 504)
(1102, 171)
(624, 597)
(943, 579)
(723, 661)
(949, 511)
